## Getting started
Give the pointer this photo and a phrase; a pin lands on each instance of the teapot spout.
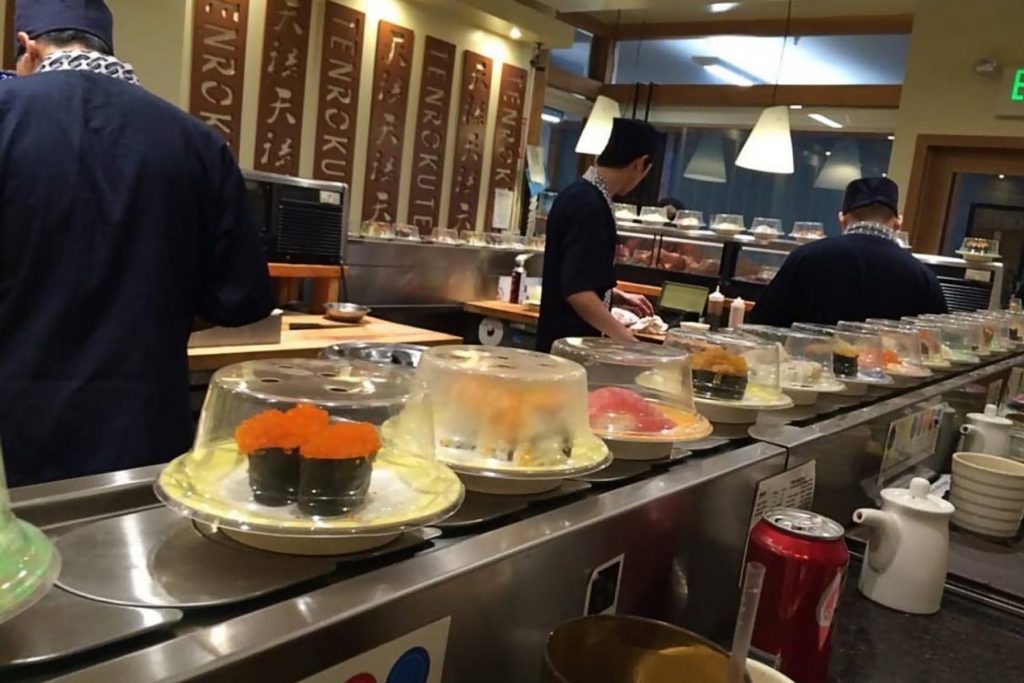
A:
(883, 539)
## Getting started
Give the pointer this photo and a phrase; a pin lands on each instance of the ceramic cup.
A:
(988, 492)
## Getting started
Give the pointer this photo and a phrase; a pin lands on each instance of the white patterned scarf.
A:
(83, 60)
(874, 229)
(595, 179)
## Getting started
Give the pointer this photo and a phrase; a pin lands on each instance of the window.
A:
(575, 59)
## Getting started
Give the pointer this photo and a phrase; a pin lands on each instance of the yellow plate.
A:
(406, 492)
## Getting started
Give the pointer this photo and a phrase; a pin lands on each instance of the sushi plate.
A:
(807, 395)
(740, 412)
(589, 454)
(405, 492)
(690, 426)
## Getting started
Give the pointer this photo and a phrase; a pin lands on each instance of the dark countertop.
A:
(966, 642)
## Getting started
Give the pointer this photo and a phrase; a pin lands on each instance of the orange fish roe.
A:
(304, 420)
(269, 429)
(343, 440)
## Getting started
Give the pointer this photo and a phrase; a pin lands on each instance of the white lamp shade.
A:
(595, 134)
(770, 146)
(708, 162)
(841, 168)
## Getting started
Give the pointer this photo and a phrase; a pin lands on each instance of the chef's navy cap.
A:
(36, 17)
(867, 191)
(629, 140)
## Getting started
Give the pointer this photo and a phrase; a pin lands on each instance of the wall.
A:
(941, 93)
(154, 40)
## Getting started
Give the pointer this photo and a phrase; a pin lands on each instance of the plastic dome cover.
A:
(996, 326)
(638, 391)
(29, 564)
(508, 412)
(963, 337)
(1015, 319)
(859, 350)
(731, 366)
(901, 348)
(935, 352)
(984, 333)
(806, 361)
(294, 447)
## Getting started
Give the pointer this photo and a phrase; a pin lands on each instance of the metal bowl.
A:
(346, 313)
(406, 355)
(619, 649)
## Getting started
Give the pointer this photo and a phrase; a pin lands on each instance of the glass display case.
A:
(766, 229)
(978, 249)
(728, 224)
(626, 213)
(689, 220)
(639, 393)
(653, 216)
(758, 266)
(807, 231)
(635, 248)
(689, 256)
(296, 448)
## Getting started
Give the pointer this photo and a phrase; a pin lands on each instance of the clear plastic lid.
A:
(807, 361)
(626, 212)
(1015, 320)
(295, 447)
(807, 231)
(472, 238)
(729, 223)
(409, 233)
(977, 247)
(815, 328)
(537, 242)
(934, 351)
(731, 367)
(506, 412)
(766, 228)
(963, 338)
(858, 354)
(29, 564)
(638, 392)
(687, 219)
(997, 325)
(445, 236)
(513, 241)
(901, 347)
(378, 230)
(654, 215)
(984, 333)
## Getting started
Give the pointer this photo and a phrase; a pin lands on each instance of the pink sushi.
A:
(615, 409)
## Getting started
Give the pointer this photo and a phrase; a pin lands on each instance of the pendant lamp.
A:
(769, 148)
(595, 134)
(708, 162)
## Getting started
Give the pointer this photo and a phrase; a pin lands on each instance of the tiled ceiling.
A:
(650, 11)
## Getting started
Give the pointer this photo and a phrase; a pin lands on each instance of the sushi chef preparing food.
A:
(579, 257)
(122, 221)
(864, 273)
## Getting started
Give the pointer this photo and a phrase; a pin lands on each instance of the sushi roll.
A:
(718, 374)
(271, 442)
(844, 360)
(336, 467)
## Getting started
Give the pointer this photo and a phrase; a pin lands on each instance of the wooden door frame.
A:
(937, 160)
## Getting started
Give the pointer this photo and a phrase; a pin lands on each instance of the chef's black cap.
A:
(36, 17)
(629, 141)
(868, 191)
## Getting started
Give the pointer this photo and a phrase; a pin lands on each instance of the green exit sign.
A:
(1010, 102)
(1017, 87)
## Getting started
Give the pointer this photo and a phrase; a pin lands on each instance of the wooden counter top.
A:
(517, 313)
(309, 343)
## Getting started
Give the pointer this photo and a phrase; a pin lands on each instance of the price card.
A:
(792, 489)
(910, 440)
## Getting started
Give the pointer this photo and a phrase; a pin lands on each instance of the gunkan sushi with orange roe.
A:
(337, 464)
(271, 441)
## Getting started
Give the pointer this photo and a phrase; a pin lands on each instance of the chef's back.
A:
(122, 220)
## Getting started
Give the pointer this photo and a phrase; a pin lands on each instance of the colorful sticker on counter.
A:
(417, 657)
(910, 440)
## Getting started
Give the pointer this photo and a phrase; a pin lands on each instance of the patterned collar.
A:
(873, 229)
(595, 179)
(81, 60)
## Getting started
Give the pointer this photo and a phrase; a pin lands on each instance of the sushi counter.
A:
(162, 579)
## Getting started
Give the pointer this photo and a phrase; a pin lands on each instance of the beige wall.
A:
(150, 36)
(941, 92)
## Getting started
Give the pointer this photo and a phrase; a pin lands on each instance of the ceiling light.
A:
(891, 138)
(796, 106)
(885, 175)
(1002, 177)
(717, 7)
(728, 75)
(770, 145)
(828, 152)
(515, 33)
(825, 121)
(550, 118)
(594, 137)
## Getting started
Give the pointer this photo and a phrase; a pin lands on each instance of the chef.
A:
(122, 221)
(579, 258)
(864, 273)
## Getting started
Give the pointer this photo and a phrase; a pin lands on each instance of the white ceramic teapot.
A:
(908, 549)
(987, 432)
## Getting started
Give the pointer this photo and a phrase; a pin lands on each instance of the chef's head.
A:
(628, 154)
(871, 200)
(44, 27)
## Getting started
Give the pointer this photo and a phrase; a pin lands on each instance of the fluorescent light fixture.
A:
(1002, 177)
(718, 7)
(825, 121)
(515, 33)
(885, 175)
(728, 75)
(769, 148)
(828, 152)
(594, 137)
(796, 106)
(550, 118)
(891, 138)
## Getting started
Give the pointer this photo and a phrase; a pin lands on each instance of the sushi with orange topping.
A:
(336, 467)
(271, 440)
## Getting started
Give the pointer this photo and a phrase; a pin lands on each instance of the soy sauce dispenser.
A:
(518, 274)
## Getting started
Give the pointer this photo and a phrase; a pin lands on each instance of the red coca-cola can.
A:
(805, 559)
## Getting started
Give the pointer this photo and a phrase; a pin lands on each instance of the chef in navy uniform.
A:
(122, 222)
(864, 273)
(579, 258)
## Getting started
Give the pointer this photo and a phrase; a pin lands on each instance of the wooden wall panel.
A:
(508, 136)
(8, 47)
(338, 100)
(391, 72)
(282, 86)
(219, 32)
(474, 107)
(431, 142)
